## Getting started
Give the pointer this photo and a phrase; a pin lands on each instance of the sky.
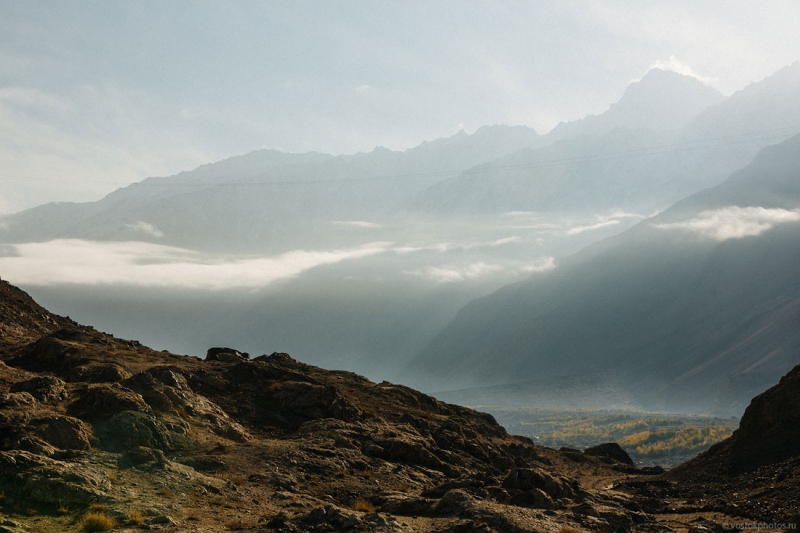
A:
(95, 95)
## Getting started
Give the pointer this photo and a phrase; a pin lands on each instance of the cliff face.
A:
(770, 428)
(22, 319)
(754, 475)
(768, 434)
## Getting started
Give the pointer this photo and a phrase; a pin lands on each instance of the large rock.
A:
(130, 429)
(769, 431)
(526, 479)
(64, 432)
(98, 373)
(226, 355)
(48, 389)
(103, 400)
(609, 450)
(47, 480)
(17, 399)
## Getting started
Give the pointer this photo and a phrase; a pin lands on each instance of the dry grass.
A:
(166, 492)
(93, 521)
(135, 518)
(363, 506)
(237, 479)
(98, 507)
(568, 529)
(112, 477)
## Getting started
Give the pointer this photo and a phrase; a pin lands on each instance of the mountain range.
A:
(613, 160)
(695, 309)
(625, 158)
(455, 219)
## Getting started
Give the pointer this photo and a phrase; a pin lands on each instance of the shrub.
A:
(135, 518)
(92, 522)
(364, 506)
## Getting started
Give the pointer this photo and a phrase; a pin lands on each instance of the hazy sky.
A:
(95, 95)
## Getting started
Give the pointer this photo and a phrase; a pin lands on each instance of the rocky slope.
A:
(753, 475)
(92, 422)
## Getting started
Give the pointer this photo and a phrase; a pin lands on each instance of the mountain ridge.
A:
(661, 100)
(622, 304)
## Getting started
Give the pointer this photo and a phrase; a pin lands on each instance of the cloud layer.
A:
(141, 264)
(734, 222)
(79, 262)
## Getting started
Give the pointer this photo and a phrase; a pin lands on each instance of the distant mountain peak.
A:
(661, 100)
(659, 84)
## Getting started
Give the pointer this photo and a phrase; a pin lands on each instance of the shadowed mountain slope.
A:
(754, 475)
(695, 309)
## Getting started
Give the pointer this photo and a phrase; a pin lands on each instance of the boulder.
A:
(64, 432)
(526, 479)
(139, 456)
(17, 399)
(130, 429)
(609, 450)
(47, 389)
(104, 400)
(50, 481)
(226, 355)
(454, 502)
(98, 373)
(533, 498)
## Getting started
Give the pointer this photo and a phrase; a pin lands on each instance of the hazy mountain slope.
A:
(633, 169)
(768, 105)
(262, 196)
(661, 100)
(589, 174)
(691, 321)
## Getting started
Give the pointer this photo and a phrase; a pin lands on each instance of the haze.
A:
(97, 95)
(505, 201)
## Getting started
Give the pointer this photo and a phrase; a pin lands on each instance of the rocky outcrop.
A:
(226, 355)
(47, 389)
(752, 475)
(272, 443)
(47, 480)
(610, 451)
(768, 433)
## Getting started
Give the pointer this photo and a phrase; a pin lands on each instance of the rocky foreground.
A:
(95, 425)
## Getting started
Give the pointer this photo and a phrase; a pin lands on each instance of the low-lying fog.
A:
(366, 298)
